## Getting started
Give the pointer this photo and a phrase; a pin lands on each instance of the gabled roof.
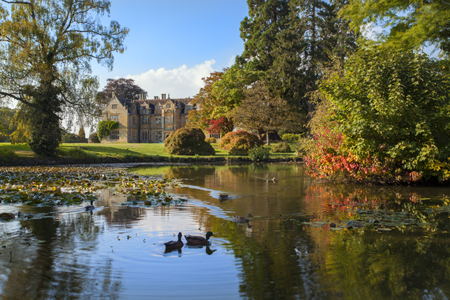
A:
(123, 101)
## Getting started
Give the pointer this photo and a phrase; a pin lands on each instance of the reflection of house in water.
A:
(116, 213)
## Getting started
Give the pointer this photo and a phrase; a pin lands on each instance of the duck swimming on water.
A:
(90, 207)
(198, 240)
(174, 244)
(240, 219)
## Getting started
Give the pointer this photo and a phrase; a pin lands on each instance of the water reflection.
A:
(118, 251)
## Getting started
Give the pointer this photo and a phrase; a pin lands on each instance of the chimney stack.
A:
(163, 96)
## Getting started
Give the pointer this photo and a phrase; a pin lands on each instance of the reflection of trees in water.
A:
(274, 260)
(196, 173)
(53, 258)
(401, 264)
(370, 265)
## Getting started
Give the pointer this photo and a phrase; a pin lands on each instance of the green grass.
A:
(84, 150)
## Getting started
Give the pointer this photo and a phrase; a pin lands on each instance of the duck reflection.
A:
(168, 250)
(208, 249)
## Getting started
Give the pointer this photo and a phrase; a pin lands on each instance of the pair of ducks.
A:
(191, 240)
(199, 240)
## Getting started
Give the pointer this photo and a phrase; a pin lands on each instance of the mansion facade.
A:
(146, 120)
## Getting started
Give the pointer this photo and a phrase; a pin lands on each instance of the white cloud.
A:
(179, 83)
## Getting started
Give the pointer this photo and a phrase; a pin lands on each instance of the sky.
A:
(173, 44)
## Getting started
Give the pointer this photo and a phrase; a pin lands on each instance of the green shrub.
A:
(306, 146)
(395, 126)
(240, 140)
(292, 137)
(259, 153)
(72, 138)
(282, 147)
(211, 140)
(93, 138)
(75, 153)
(188, 141)
(7, 153)
(238, 151)
(105, 128)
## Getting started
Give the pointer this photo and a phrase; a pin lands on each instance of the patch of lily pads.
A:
(429, 214)
(53, 186)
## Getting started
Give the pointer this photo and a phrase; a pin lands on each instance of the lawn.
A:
(119, 150)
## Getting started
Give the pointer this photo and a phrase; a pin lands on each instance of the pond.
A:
(305, 240)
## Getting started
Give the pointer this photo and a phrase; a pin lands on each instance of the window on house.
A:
(144, 120)
(168, 106)
(144, 135)
(114, 118)
(114, 135)
(189, 107)
(158, 120)
(169, 119)
(114, 106)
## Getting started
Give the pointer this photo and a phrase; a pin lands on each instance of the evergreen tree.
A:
(82, 134)
(271, 47)
(287, 42)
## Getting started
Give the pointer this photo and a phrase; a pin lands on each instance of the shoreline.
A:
(24, 162)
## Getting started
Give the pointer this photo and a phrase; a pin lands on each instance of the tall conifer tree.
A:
(286, 42)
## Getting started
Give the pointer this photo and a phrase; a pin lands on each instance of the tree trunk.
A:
(267, 138)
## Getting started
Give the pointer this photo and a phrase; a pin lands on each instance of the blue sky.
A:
(172, 44)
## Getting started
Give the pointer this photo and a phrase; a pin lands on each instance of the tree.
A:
(272, 47)
(82, 134)
(205, 101)
(80, 107)
(262, 113)
(286, 42)
(6, 116)
(412, 23)
(223, 91)
(20, 125)
(221, 125)
(43, 40)
(391, 110)
(122, 87)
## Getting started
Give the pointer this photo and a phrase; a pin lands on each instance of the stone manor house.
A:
(146, 120)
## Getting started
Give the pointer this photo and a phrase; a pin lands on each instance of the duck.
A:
(274, 179)
(175, 244)
(7, 216)
(223, 197)
(240, 219)
(90, 207)
(198, 240)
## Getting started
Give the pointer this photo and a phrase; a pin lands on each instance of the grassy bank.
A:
(111, 153)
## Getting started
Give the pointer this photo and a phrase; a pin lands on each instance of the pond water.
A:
(306, 240)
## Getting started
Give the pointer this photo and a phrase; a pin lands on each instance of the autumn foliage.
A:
(222, 124)
(388, 119)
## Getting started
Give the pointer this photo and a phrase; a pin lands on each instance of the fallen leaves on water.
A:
(51, 186)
